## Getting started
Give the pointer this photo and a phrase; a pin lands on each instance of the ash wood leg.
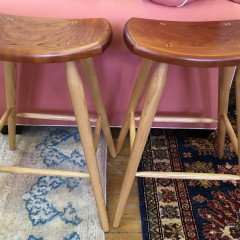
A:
(97, 132)
(80, 109)
(149, 110)
(225, 78)
(132, 129)
(91, 77)
(143, 74)
(4, 118)
(237, 79)
(10, 82)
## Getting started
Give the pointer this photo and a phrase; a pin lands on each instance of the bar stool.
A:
(190, 44)
(38, 40)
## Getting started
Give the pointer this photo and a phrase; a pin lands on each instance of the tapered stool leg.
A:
(148, 113)
(91, 77)
(237, 79)
(143, 74)
(225, 78)
(80, 109)
(10, 83)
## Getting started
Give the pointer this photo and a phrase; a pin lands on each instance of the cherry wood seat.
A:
(39, 40)
(189, 44)
(199, 44)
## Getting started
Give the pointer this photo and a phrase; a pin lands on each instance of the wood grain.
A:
(91, 77)
(45, 172)
(152, 99)
(50, 116)
(132, 129)
(182, 119)
(188, 175)
(4, 118)
(139, 86)
(97, 132)
(131, 221)
(10, 72)
(230, 132)
(77, 94)
(201, 44)
(41, 40)
(225, 79)
(237, 89)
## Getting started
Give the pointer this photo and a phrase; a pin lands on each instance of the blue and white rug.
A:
(43, 207)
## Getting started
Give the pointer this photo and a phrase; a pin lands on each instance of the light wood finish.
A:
(225, 79)
(42, 40)
(97, 132)
(153, 96)
(230, 132)
(80, 109)
(4, 118)
(181, 175)
(182, 119)
(195, 44)
(10, 84)
(50, 116)
(131, 220)
(46, 116)
(143, 74)
(237, 89)
(132, 129)
(91, 77)
(47, 172)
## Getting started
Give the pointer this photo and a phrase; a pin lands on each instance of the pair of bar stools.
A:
(205, 44)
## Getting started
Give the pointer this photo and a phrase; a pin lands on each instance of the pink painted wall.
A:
(189, 91)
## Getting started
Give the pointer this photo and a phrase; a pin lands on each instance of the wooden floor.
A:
(130, 228)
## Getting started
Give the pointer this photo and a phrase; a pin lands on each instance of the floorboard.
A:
(130, 227)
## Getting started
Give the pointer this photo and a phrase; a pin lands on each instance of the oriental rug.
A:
(188, 209)
(43, 207)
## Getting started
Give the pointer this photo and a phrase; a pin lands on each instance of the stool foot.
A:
(225, 78)
(80, 109)
(143, 74)
(153, 96)
(91, 77)
(10, 82)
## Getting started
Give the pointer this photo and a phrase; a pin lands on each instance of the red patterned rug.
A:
(188, 209)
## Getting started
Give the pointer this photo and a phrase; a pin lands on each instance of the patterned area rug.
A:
(188, 209)
(48, 208)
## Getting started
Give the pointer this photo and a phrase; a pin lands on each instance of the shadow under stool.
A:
(189, 44)
(39, 40)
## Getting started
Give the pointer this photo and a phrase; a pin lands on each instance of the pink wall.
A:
(189, 91)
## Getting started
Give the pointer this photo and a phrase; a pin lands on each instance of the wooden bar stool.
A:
(193, 44)
(36, 40)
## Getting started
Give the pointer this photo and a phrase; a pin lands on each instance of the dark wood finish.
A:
(38, 40)
(201, 44)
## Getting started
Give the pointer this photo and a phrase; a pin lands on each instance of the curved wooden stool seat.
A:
(191, 44)
(197, 44)
(38, 40)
